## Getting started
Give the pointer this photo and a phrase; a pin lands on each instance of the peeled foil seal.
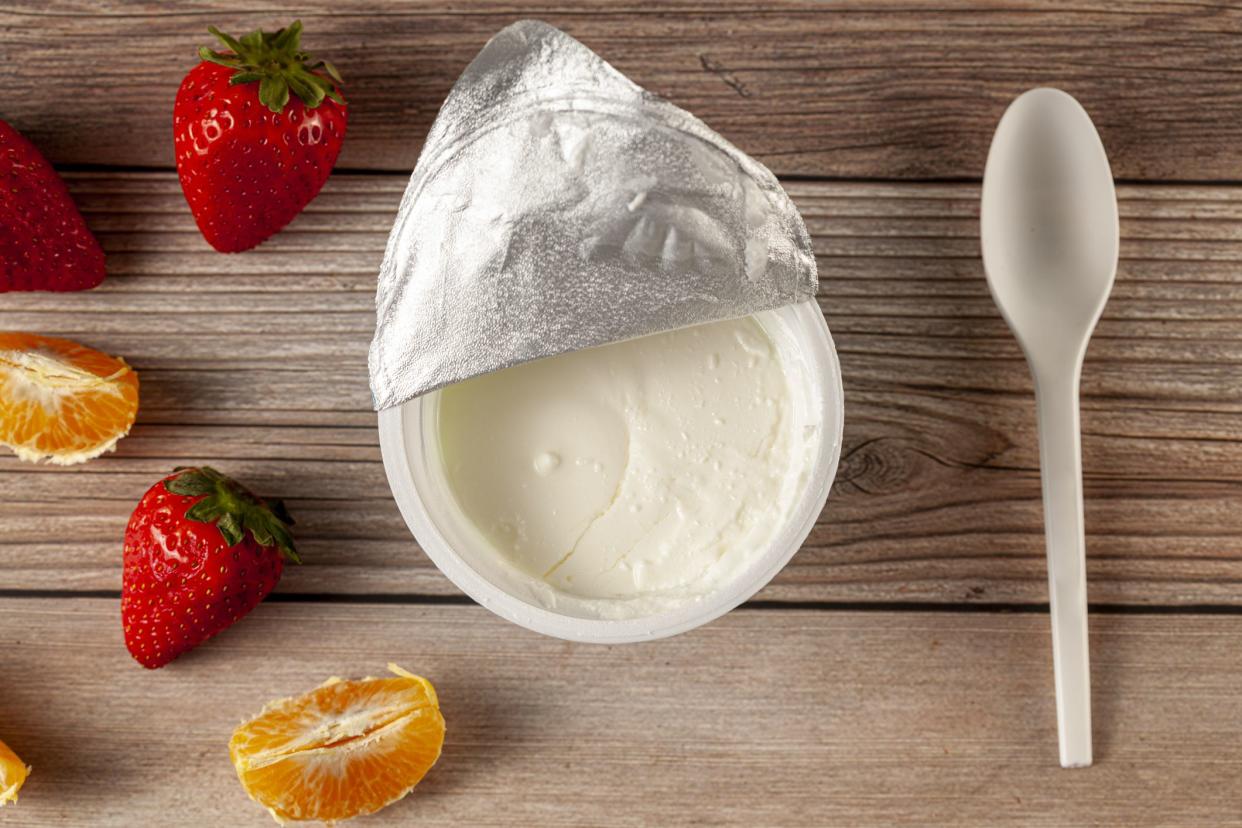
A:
(558, 206)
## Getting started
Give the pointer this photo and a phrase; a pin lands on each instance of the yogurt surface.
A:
(633, 476)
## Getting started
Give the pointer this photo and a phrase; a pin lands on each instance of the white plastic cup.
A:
(411, 460)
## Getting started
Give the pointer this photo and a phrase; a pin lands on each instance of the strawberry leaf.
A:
(231, 528)
(215, 57)
(207, 510)
(191, 483)
(284, 542)
(228, 40)
(261, 534)
(274, 92)
(287, 38)
(310, 93)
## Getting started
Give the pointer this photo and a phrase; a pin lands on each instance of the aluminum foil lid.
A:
(557, 206)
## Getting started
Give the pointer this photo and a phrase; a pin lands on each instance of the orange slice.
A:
(61, 401)
(13, 773)
(344, 749)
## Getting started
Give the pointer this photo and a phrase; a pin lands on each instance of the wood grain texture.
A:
(894, 88)
(762, 718)
(257, 363)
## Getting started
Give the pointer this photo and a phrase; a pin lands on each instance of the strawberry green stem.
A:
(275, 61)
(234, 510)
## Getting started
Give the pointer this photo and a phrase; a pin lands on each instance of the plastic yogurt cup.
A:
(699, 566)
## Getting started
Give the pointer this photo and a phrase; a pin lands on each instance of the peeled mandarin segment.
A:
(344, 749)
(13, 773)
(61, 401)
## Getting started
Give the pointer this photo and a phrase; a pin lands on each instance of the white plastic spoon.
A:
(1050, 240)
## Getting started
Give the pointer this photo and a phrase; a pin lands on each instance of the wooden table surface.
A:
(898, 671)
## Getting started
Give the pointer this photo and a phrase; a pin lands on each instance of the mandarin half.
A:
(61, 401)
(344, 749)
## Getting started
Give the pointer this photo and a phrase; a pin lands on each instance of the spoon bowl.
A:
(1049, 224)
(1050, 238)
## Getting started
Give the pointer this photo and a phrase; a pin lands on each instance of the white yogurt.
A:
(633, 477)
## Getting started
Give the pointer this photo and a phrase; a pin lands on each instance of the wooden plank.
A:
(896, 88)
(257, 363)
(763, 718)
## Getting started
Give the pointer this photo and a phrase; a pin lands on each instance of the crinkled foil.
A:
(557, 206)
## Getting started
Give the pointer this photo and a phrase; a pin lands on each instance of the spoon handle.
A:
(1060, 460)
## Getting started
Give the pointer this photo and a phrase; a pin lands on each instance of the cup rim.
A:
(822, 363)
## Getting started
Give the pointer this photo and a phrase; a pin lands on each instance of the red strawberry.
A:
(44, 243)
(250, 156)
(200, 552)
